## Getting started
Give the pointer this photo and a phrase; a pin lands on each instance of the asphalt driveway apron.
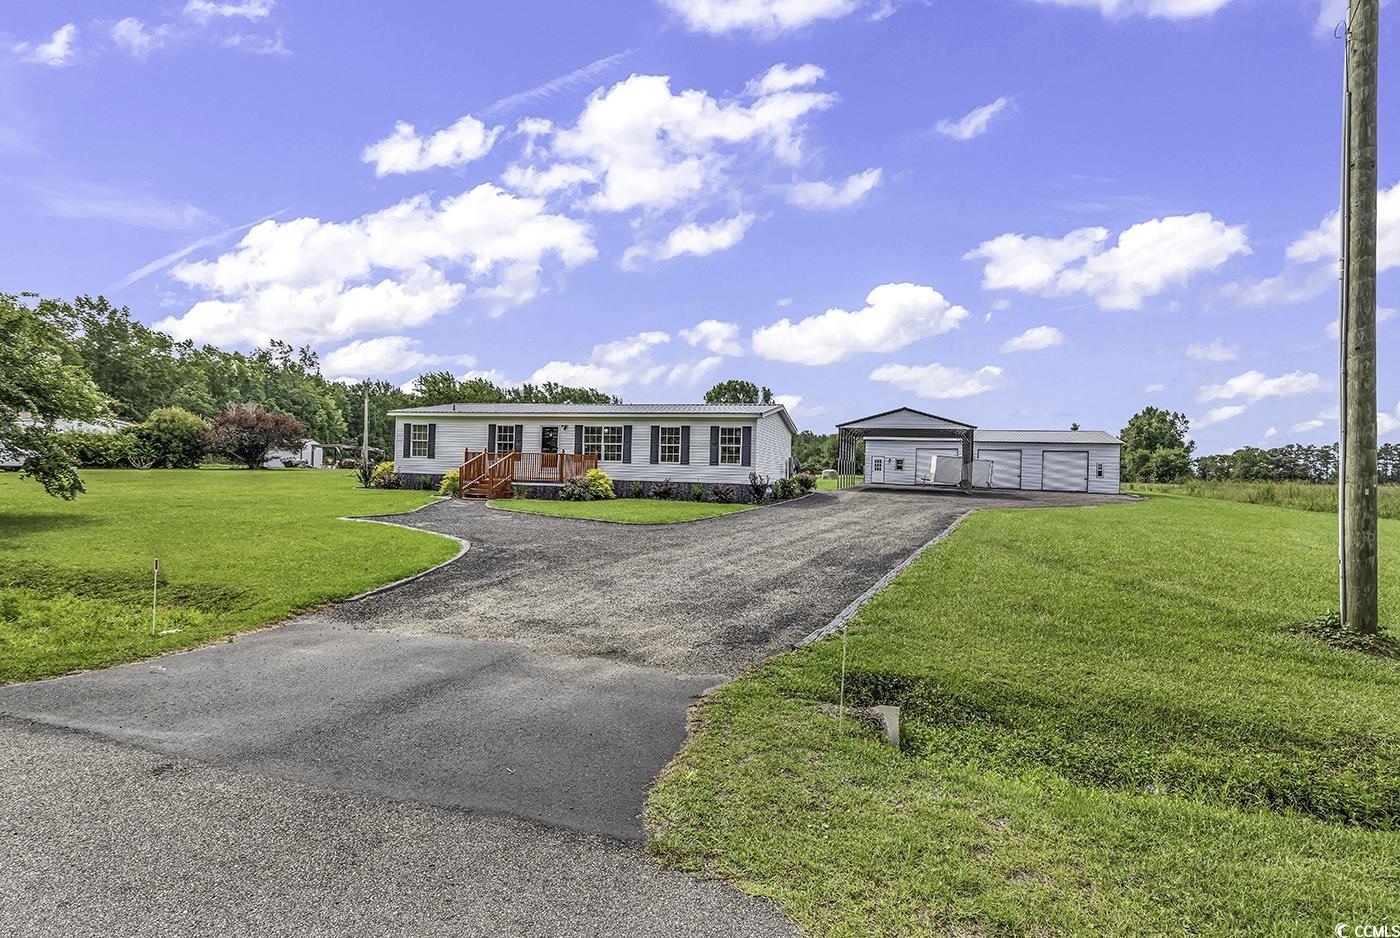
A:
(544, 676)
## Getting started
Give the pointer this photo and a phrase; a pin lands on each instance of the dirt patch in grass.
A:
(1328, 630)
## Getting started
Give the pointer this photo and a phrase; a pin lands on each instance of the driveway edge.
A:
(464, 546)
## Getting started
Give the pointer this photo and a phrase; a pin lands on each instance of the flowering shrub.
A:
(599, 485)
(448, 485)
(384, 476)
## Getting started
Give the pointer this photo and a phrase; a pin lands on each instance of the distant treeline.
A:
(1292, 463)
(142, 369)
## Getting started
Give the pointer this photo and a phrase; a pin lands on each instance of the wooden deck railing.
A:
(498, 470)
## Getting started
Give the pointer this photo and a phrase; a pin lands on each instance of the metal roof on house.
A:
(921, 418)
(583, 410)
(1095, 437)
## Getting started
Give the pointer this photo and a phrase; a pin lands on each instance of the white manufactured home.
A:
(911, 447)
(710, 444)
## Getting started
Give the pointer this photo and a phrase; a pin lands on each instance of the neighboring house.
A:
(710, 444)
(903, 445)
(13, 460)
(311, 454)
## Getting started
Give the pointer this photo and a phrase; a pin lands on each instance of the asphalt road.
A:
(524, 695)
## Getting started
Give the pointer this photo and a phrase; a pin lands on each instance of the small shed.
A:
(921, 437)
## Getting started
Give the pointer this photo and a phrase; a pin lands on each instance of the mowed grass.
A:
(237, 549)
(1108, 728)
(624, 510)
(1302, 495)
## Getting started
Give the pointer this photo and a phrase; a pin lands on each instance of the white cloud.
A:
(1147, 259)
(783, 78)
(624, 352)
(1330, 15)
(694, 372)
(790, 401)
(493, 375)
(1323, 242)
(1219, 415)
(1306, 426)
(131, 34)
(57, 52)
(130, 205)
(611, 365)
(313, 280)
(1165, 9)
(403, 151)
(693, 238)
(1289, 287)
(531, 180)
(210, 9)
(1270, 433)
(1034, 339)
(646, 147)
(824, 195)
(975, 122)
(721, 338)
(939, 381)
(1154, 388)
(760, 17)
(385, 355)
(1388, 423)
(566, 82)
(1212, 351)
(1255, 386)
(895, 315)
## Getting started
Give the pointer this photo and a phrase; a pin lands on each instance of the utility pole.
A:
(1357, 471)
(364, 439)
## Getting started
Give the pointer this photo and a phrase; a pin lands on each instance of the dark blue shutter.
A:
(685, 446)
(407, 440)
(578, 438)
(655, 444)
(519, 444)
(432, 441)
(490, 446)
(714, 446)
(747, 457)
(626, 442)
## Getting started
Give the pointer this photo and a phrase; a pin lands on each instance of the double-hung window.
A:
(603, 442)
(418, 440)
(669, 449)
(505, 438)
(731, 446)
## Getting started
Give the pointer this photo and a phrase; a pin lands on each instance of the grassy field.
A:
(1301, 495)
(625, 510)
(1108, 728)
(236, 548)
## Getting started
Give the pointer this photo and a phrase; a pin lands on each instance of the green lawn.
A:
(1304, 495)
(1108, 728)
(626, 510)
(237, 549)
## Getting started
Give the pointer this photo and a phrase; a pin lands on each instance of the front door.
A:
(877, 469)
(549, 440)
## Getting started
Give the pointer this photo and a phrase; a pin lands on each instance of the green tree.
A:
(174, 438)
(1149, 430)
(40, 384)
(737, 391)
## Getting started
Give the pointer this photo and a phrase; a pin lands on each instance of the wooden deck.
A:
(491, 474)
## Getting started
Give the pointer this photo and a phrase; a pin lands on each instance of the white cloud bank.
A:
(721, 338)
(759, 17)
(1212, 351)
(694, 239)
(611, 366)
(385, 355)
(1147, 259)
(313, 280)
(895, 315)
(1164, 9)
(1255, 386)
(827, 195)
(1034, 339)
(939, 382)
(974, 123)
(403, 151)
(57, 52)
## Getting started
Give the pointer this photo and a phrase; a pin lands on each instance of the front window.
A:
(418, 440)
(731, 446)
(1099, 471)
(899, 465)
(671, 444)
(505, 438)
(603, 442)
(549, 440)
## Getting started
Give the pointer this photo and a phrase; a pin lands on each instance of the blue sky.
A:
(1018, 213)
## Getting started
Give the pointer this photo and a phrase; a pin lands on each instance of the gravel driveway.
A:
(491, 727)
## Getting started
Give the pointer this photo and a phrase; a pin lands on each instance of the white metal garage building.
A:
(902, 447)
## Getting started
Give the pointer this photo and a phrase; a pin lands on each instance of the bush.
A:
(697, 492)
(98, 450)
(758, 486)
(450, 479)
(365, 475)
(600, 487)
(635, 489)
(663, 490)
(245, 433)
(575, 490)
(784, 488)
(384, 476)
(806, 481)
(177, 439)
(723, 493)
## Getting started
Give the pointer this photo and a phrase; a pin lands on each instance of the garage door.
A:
(1006, 467)
(1064, 471)
(924, 458)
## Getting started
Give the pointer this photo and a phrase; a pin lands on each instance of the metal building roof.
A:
(582, 410)
(1095, 437)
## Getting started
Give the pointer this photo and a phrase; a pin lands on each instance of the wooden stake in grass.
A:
(155, 578)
